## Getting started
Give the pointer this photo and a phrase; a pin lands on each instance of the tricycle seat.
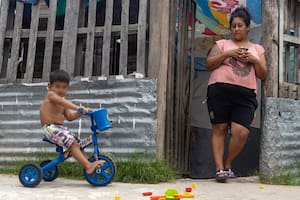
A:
(47, 140)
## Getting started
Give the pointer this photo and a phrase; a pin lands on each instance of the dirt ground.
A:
(237, 189)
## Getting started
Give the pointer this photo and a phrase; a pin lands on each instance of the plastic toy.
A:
(30, 175)
(194, 185)
(117, 197)
(261, 187)
(172, 194)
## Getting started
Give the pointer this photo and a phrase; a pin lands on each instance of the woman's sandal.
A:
(230, 173)
(221, 176)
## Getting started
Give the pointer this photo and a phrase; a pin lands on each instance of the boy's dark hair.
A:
(59, 75)
(243, 13)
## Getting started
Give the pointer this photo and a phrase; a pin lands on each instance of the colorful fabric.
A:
(58, 134)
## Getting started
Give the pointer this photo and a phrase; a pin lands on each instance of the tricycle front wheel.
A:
(102, 175)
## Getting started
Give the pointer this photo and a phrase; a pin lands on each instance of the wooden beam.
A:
(107, 38)
(90, 40)
(115, 29)
(141, 38)
(291, 39)
(270, 42)
(68, 50)
(3, 21)
(12, 69)
(35, 13)
(155, 27)
(49, 40)
(162, 78)
(124, 38)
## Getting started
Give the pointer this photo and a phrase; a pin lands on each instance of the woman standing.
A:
(231, 96)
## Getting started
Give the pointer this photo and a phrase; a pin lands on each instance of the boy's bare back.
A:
(51, 112)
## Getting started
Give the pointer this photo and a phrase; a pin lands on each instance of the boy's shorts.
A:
(58, 134)
(231, 103)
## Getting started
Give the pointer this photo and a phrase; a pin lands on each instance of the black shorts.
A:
(231, 103)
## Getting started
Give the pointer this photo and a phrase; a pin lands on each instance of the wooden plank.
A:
(141, 38)
(170, 84)
(270, 25)
(162, 79)
(107, 38)
(49, 40)
(32, 42)
(154, 38)
(124, 38)
(281, 43)
(81, 42)
(283, 90)
(183, 137)
(3, 21)
(287, 63)
(90, 40)
(296, 64)
(115, 29)
(291, 39)
(191, 79)
(68, 51)
(12, 69)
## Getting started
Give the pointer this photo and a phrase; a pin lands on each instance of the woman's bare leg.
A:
(219, 132)
(237, 142)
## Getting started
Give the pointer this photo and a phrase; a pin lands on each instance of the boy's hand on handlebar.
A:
(84, 110)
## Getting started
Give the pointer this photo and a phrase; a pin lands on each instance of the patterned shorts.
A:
(59, 135)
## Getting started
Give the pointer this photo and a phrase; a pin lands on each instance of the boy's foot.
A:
(230, 173)
(221, 176)
(90, 170)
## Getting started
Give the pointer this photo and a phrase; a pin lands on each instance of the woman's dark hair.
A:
(59, 75)
(243, 13)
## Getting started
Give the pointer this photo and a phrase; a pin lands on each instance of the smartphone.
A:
(243, 49)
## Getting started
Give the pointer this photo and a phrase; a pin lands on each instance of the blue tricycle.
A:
(30, 175)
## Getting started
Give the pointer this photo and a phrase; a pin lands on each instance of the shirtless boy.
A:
(54, 109)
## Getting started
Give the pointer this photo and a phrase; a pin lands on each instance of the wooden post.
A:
(169, 150)
(70, 37)
(141, 38)
(162, 78)
(270, 40)
(12, 69)
(3, 21)
(49, 40)
(124, 38)
(107, 38)
(154, 38)
(90, 40)
(35, 13)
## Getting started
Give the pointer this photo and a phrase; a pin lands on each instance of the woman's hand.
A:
(248, 57)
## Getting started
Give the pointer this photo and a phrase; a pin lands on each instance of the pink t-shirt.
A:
(233, 71)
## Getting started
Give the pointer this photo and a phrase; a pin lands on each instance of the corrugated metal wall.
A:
(131, 104)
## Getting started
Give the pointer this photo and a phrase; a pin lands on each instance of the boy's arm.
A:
(71, 116)
(61, 101)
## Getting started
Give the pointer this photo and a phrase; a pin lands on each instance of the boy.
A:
(54, 109)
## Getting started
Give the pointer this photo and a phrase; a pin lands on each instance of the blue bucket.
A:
(100, 119)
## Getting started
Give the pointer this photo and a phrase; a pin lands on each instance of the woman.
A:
(231, 96)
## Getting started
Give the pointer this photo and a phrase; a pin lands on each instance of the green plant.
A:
(144, 169)
(138, 168)
(290, 176)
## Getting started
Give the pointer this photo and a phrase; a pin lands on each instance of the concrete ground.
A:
(237, 189)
